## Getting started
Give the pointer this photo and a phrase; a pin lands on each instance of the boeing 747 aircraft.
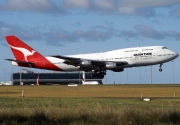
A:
(97, 63)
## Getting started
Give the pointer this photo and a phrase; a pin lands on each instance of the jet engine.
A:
(111, 66)
(86, 63)
(118, 70)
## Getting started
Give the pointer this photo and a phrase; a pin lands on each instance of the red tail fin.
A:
(21, 50)
(27, 56)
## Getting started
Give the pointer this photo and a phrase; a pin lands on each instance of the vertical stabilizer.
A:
(27, 56)
(21, 50)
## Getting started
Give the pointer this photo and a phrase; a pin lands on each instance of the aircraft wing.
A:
(65, 57)
(77, 61)
(19, 61)
(69, 60)
(87, 63)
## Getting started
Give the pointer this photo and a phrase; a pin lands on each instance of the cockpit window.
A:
(164, 48)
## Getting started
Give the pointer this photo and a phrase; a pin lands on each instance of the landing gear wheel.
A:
(99, 74)
(160, 68)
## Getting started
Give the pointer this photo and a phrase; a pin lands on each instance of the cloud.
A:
(172, 34)
(175, 12)
(148, 32)
(128, 34)
(143, 31)
(7, 29)
(139, 7)
(104, 4)
(45, 6)
(59, 36)
(121, 7)
(148, 3)
(80, 4)
(56, 36)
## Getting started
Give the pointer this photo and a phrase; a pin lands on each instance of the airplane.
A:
(96, 63)
(6, 83)
(84, 82)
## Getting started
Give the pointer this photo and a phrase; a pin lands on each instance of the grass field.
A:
(131, 91)
(102, 104)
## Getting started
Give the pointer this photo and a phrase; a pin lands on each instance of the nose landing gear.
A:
(160, 68)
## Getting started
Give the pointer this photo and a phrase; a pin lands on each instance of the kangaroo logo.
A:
(24, 51)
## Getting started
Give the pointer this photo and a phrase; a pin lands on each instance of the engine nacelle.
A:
(118, 70)
(86, 63)
(111, 65)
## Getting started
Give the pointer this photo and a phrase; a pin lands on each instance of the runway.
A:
(111, 91)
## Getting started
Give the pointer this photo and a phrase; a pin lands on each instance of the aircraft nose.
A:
(176, 55)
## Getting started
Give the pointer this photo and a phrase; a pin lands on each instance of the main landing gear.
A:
(99, 74)
(160, 68)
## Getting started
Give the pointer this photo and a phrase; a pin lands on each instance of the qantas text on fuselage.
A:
(97, 63)
(143, 54)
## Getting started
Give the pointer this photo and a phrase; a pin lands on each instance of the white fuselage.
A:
(138, 56)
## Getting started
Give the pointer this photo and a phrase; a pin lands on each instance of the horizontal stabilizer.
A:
(19, 61)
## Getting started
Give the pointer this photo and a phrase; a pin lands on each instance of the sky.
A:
(67, 27)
